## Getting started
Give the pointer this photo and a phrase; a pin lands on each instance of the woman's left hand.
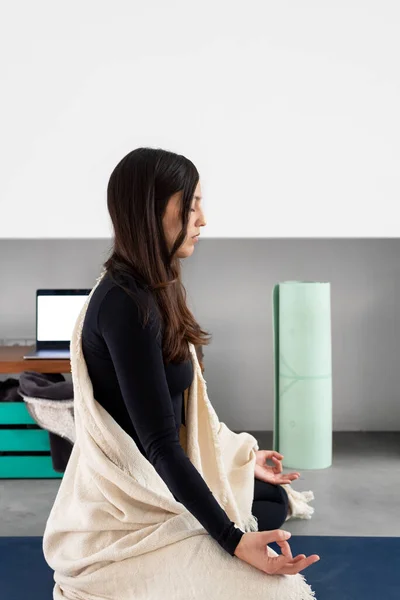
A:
(273, 474)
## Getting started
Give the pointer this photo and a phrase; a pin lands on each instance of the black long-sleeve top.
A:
(145, 395)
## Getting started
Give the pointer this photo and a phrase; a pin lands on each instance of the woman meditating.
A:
(143, 416)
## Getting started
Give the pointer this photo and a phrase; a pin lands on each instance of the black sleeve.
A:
(138, 361)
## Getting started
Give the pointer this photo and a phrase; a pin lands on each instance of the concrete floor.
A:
(357, 496)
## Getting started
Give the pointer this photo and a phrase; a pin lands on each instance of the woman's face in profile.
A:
(172, 222)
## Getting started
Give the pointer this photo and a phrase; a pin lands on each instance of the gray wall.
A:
(229, 284)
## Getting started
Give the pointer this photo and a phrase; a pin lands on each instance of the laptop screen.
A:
(57, 311)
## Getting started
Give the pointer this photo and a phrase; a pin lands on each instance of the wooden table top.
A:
(12, 361)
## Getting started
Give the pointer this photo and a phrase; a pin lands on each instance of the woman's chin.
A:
(186, 250)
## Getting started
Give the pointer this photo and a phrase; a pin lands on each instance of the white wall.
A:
(290, 111)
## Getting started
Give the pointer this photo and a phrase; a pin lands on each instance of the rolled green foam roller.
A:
(302, 374)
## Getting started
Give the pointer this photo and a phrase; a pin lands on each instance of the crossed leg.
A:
(270, 505)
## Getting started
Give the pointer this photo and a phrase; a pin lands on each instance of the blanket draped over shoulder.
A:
(115, 530)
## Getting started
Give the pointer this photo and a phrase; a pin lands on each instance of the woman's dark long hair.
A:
(137, 195)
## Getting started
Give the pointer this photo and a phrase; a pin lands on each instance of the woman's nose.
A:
(203, 219)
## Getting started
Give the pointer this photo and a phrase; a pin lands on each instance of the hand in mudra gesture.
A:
(272, 474)
(253, 546)
(253, 549)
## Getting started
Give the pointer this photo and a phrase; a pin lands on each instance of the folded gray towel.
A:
(52, 386)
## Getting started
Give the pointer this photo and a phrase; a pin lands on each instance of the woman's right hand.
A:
(253, 549)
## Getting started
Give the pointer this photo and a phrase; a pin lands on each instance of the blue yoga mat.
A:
(351, 568)
(302, 374)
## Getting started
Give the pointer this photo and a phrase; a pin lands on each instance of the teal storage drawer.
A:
(27, 467)
(24, 451)
(15, 413)
(18, 440)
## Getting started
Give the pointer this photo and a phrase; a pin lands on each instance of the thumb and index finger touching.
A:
(280, 537)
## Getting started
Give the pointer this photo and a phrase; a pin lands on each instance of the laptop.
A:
(56, 314)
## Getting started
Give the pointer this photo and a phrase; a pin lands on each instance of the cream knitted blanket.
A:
(115, 530)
